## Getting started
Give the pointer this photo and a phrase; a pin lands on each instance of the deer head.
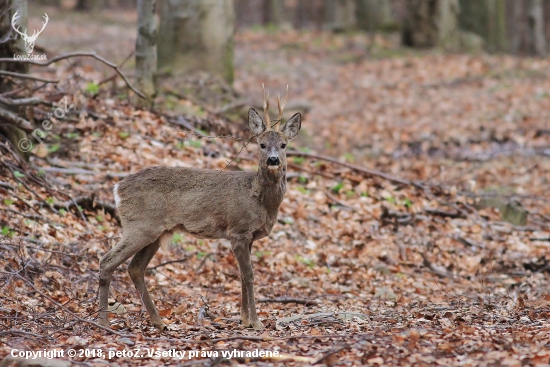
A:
(29, 40)
(271, 138)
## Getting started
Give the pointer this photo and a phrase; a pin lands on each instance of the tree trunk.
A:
(197, 35)
(486, 19)
(82, 5)
(340, 15)
(432, 23)
(10, 45)
(537, 37)
(373, 15)
(146, 51)
(94, 5)
(273, 12)
(528, 28)
(301, 18)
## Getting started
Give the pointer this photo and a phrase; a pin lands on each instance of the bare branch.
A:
(67, 310)
(25, 76)
(12, 119)
(79, 54)
(33, 101)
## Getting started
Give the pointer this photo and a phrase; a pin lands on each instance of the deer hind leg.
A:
(131, 243)
(136, 269)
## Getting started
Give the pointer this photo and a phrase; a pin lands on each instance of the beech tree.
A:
(197, 35)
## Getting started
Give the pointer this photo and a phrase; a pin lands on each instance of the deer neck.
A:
(270, 187)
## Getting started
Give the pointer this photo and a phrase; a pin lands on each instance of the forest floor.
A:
(424, 240)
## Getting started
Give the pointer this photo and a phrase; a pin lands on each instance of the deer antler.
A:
(46, 18)
(266, 108)
(16, 27)
(281, 105)
(35, 33)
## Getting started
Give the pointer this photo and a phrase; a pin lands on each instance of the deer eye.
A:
(283, 146)
(262, 146)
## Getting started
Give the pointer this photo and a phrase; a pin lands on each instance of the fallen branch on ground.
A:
(6, 186)
(288, 300)
(368, 171)
(15, 120)
(32, 101)
(67, 310)
(89, 203)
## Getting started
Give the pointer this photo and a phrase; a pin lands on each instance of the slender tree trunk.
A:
(197, 35)
(519, 29)
(273, 12)
(82, 5)
(537, 37)
(528, 28)
(10, 44)
(146, 51)
(301, 14)
(340, 15)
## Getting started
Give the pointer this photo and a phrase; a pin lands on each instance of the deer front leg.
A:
(249, 316)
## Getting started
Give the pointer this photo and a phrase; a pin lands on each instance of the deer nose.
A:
(273, 161)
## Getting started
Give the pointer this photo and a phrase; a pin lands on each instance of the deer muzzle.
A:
(273, 162)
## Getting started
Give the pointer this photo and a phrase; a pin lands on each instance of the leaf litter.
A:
(359, 269)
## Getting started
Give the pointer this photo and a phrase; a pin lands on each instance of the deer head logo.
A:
(29, 40)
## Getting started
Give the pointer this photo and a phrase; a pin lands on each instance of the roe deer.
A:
(238, 206)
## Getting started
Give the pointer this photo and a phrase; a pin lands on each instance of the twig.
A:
(31, 190)
(78, 54)
(6, 186)
(368, 171)
(42, 249)
(16, 120)
(332, 352)
(121, 65)
(28, 216)
(204, 261)
(288, 300)
(260, 338)
(80, 171)
(181, 121)
(434, 268)
(229, 106)
(21, 332)
(339, 202)
(25, 76)
(89, 203)
(169, 262)
(70, 312)
(239, 153)
(444, 214)
(33, 101)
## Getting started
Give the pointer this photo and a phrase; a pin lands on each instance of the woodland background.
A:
(416, 225)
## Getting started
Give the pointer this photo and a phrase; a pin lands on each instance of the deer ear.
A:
(292, 126)
(255, 122)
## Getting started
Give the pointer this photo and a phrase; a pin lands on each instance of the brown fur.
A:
(238, 206)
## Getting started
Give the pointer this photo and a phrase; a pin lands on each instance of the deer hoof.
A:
(159, 325)
(257, 325)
